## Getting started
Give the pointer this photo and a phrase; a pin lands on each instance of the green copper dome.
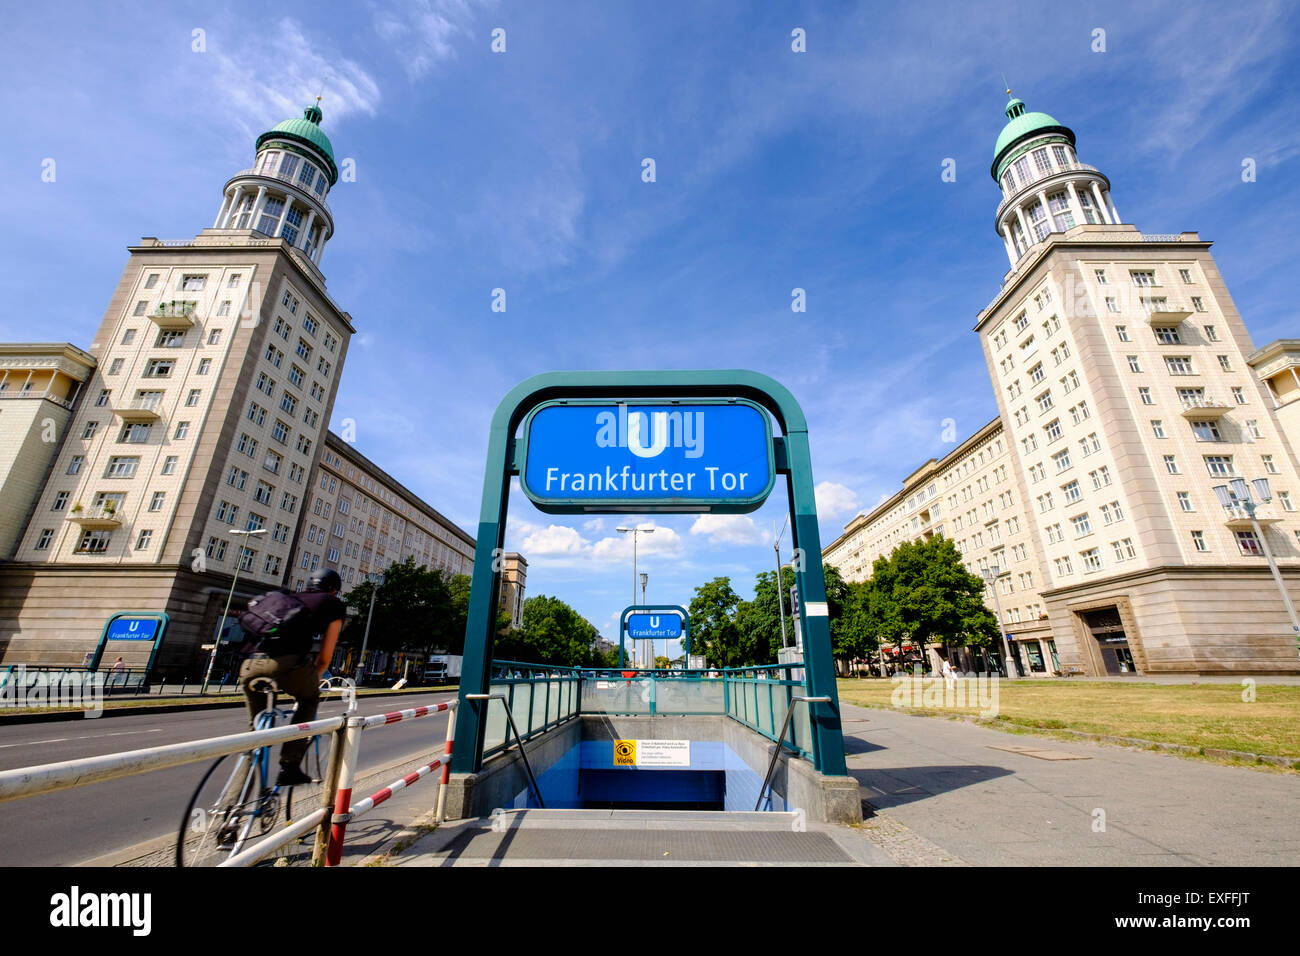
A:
(1021, 124)
(308, 132)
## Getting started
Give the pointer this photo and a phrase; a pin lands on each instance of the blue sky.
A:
(522, 170)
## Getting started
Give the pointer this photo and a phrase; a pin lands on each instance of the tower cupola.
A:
(1045, 189)
(283, 195)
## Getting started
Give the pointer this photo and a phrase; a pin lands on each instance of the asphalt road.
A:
(74, 826)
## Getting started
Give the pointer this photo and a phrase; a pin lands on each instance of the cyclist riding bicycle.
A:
(290, 662)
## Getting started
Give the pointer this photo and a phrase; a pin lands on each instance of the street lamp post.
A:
(634, 532)
(376, 582)
(645, 578)
(990, 575)
(216, 643)
(1237, 494)
(780, 600)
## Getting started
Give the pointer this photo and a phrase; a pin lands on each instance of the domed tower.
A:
(1045, 188)
(283, 195)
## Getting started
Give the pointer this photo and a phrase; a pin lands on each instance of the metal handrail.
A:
(780, 740)
(537, 792)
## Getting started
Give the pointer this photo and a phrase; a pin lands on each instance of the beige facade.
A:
(1126, 397)
(973, 495)
(358, 520)
(514, 577)
(39, 388)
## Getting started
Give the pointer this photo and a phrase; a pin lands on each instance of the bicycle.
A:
(226, 811)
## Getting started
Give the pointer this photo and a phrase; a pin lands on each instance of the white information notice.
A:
(663, 753)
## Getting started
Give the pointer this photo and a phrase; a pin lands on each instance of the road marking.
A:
(59, 740)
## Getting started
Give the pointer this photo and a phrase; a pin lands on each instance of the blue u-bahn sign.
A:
(132, 629)
(655, 627)
(648, 457)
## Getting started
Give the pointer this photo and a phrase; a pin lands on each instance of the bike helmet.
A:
(326, 579)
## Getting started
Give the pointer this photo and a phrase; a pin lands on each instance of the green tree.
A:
(551, 632)
(923, 593)
(413, 610)
(713, 624)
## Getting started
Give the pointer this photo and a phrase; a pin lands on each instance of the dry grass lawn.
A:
(1196, 715)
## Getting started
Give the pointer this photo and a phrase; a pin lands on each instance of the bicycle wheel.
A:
(227, 808)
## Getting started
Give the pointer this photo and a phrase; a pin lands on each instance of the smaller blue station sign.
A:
(132, 629)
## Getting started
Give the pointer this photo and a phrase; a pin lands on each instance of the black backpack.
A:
(276, 620)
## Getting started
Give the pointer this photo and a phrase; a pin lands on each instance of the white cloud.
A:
(664, 542)
(834, 499)
(594, 525)
(424, 32)
(729, 529)
(553, 540)
(264, 78)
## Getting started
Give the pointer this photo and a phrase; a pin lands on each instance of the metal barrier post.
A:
(338, 744)
(343, 795)
(446, 769)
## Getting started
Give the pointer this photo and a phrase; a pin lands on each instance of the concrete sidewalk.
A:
(990, 798)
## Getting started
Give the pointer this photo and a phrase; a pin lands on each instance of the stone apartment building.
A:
(191, 438)
(1126, 397)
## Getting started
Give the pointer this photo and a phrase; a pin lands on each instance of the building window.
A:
(205, 366)
(1269, 465)
(233, 283)
(304, 444)
(236, 478)
(152, 281)
(1101, 276)
(1053, 430)
(227, 512)
(1224, 363)
(216, 549)
(142, 542)
(303, 349)
(159, 368)
(1168, 335)
(192, 398)
(1171, 465)
(1100, 477)
(1158, 428)
(134, 434)
(88, 431)
(1044, 401)
(296, 375)
(1179, 365)
(139, 309)
(94, 542)
(1143, 279)
(169, 465)
(1112, 306)
(1071, 492)
(182, 429)
(156, 502)
(1285, 498)
(1198, 541)
(1063, 566)
(1082, 525)
(256, 413)
(1206, 431)
(46, 536)
(1248, 543)
(1091, 560)
(1133, 364)
(1239, 395)
(192, 283)
(1210, 334)
(263, 493)
(273, 460)
(214, 337)
(1062, 459)
(1197, 304)
(289, 403)
(60, 501)
(280, 431)
(1145, 394)
(1185, 501)
(1219, 465)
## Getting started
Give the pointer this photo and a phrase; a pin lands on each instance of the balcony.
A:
(1239, 520)
(1039, 177)
(174, 315)
(31, 393)
(1163, 313)
(138, 412)
(1205, 409)
(95, 518)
